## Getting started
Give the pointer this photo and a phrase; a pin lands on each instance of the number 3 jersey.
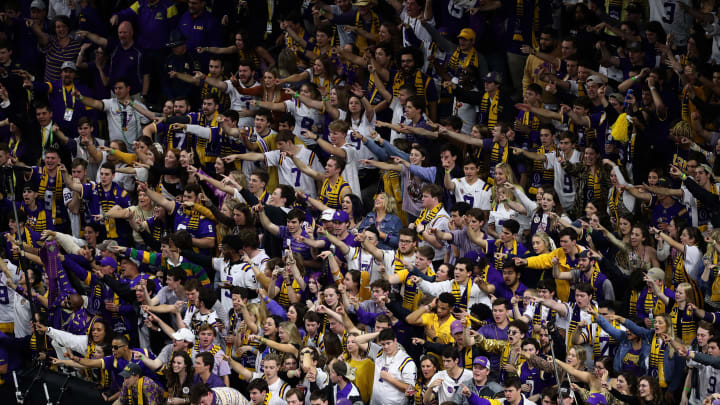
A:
(563, 182)
(7, 313)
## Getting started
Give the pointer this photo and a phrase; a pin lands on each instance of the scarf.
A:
(469, 59)
(461, 302)
(428, 216)
(420, 83)
(213, 350)
(683, 322)
(372, 90)
(412, 294)
(592, 190)
(137, 397)
(330, 193)
(505, 359)
(489, 109)
(653, 305)
(537, 315)
(498, 260)
(57, 192)
(634, 296)
(200, 143)
(360, 41)
(715, 293)
(519, 13)
(574, 320)
(614, 206)
(657, 360)
(194, 220)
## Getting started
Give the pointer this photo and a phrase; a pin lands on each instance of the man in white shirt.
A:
(395, 371)
(469, 292)
(470, 188)
(339, 147)
(446, 383)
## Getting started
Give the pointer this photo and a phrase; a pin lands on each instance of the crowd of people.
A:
(375, 202)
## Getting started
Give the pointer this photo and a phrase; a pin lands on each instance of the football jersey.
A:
(241, 102)
(673, 18)
(305, 119)
(7, 311)
(290, 175)
(478, 194)
(563, 182)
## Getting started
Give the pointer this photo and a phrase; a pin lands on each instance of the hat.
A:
(107, 244)
(176, 39)
(663, 182)
(68, 65)
(130, 259)
(361, 3)
(456, 327)
(596, 399)
(29, 187)
(584, 253)
(327, 215)
(38, 4)
(635, 46)
(707, 168)
(341, 216)
(467, 33)
(595, 79)
(618, 97)
(481, 361)
(184, 334)
(493, 77)
(130, 369)
(656, 274)
(108, 261)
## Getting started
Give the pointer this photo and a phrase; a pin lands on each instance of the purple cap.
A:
(493, 77)
(481, 361)
(341, 216)
(596, 399)
(456, 327)
(108, 261)
(343, 401)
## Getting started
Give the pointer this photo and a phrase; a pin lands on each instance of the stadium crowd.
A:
(394, 202)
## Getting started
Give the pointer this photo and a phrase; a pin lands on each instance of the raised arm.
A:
(89, 101)
(265, 221)
(158, 198)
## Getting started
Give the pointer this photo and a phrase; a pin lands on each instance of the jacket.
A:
(674, 366)
(624, 345)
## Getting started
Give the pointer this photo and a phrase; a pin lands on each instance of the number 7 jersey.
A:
(289, 174)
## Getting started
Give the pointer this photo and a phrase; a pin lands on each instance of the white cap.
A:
(327, 215)
(184, 334)
(38, 4)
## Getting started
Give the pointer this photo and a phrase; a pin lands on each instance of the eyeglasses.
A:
(117, 347)
(405, 241)
(513, 332)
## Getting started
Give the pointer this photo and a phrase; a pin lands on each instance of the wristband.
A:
(112, 151)
(326, 98)
(327, 234)
(80, 97)
(296, 95)
(687, 389)
(634, 78)
(683, 177)
(652, 88)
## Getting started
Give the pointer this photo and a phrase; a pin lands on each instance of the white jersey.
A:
(7, 296)
(398, 117)
(260, 259)
(241, 102)
(467, 112)
(673, 18)
(276, 390)
(359, 259)
(249, 167)
(350, 173)
(228, 396)
(305, 119)
(563, 183)
(401, 367)
(238, 274)
(708, 378)
(478, 194)
(290, 175)
(446, 391)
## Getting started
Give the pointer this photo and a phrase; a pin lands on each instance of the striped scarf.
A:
(489, 109)
(500, 248)
(657, 360)
(519, 13)
(653, 305)
(428, 216)
(683, 322)
(614, 206)
(592, 189)
(420, 83)
(360, 41)
(461, 303)
(634, 296)
(715, 295)
(137, 396)
(468, 59)
(57, 192)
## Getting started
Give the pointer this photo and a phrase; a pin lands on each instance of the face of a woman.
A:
(239, 42)
(354, 105)
(283, 335)
(415, 157)
(653, 178)
(590, 209)
(685, 238)
(292, 314)
(499, 176)
(268, 79)
(660, 325)
(167, 108)
(539, 195)
(269, 327)
(381, 57)
(644, 388)
(379, 201)
(442, 273)
(624, 226)
(178, 364)
(636, 237)
(305, 90)
(61, 30)
(226, 210)
(572, 357)
(428, 369)
(538, 245)
(170, 159)
(219, 166)
(346, 205)
(184, 158)
(318, 68)
(548, 202)
(680, 295)
(621, 383)
(383, 34)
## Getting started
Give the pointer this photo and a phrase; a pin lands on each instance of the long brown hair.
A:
(175, 387)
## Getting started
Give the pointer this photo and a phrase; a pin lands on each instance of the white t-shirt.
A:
(673, 18)
(124, 122)
(450, 386)
(241, 102)
(563, 183)
(478, 194)
(398, 117)
(401, 367)
(238, 274)
(350, 174)
(305, 119)
(289, 174)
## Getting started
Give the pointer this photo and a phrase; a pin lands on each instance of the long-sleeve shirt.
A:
(157, 259)
(153, 22)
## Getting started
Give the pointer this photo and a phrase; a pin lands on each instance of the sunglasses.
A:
(117, 347)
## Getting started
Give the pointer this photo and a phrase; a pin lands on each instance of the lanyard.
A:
(65, 97)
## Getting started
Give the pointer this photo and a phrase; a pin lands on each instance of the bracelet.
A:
(652, 88)
(635, 78)
(327, 234)
(326, 98)
(112, 151)
(687, 389)
(296, 95)
(332, 254)
(80, 97)
(683, 177)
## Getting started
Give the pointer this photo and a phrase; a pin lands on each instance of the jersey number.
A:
(567, 184)
(669, 12)
(297, 176)
(712, 382)
(307, 123)
(4, 297)
(454, 10)
(469, 199)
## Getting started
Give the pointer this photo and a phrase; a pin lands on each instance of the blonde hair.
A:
(259, 311)
(240, 177)
(689, 292)
(670, 332)
(682, 129)
(390, 203)
(292, 331)
(546, 239)
(581, 355)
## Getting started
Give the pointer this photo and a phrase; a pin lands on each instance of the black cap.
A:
(130, 369)
(635, 46)
(176, 39)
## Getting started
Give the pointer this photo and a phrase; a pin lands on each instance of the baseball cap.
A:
(38, 4)
(107, 244)
(130, 259)
(707, 168)
(176, 39)
(481, 361)
(361, 3)
(596, 399)
(108, 261)
(656, 274)
(467, 33)
(341, 216)
(634, 46)
(595, 79)
(68, 65)
(130, 369)
(327, 215)
(456, 327)
(184, 334)
(493, 77)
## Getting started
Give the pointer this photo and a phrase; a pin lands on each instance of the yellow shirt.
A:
(442, 331)
(412, 293)
(364, 376)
